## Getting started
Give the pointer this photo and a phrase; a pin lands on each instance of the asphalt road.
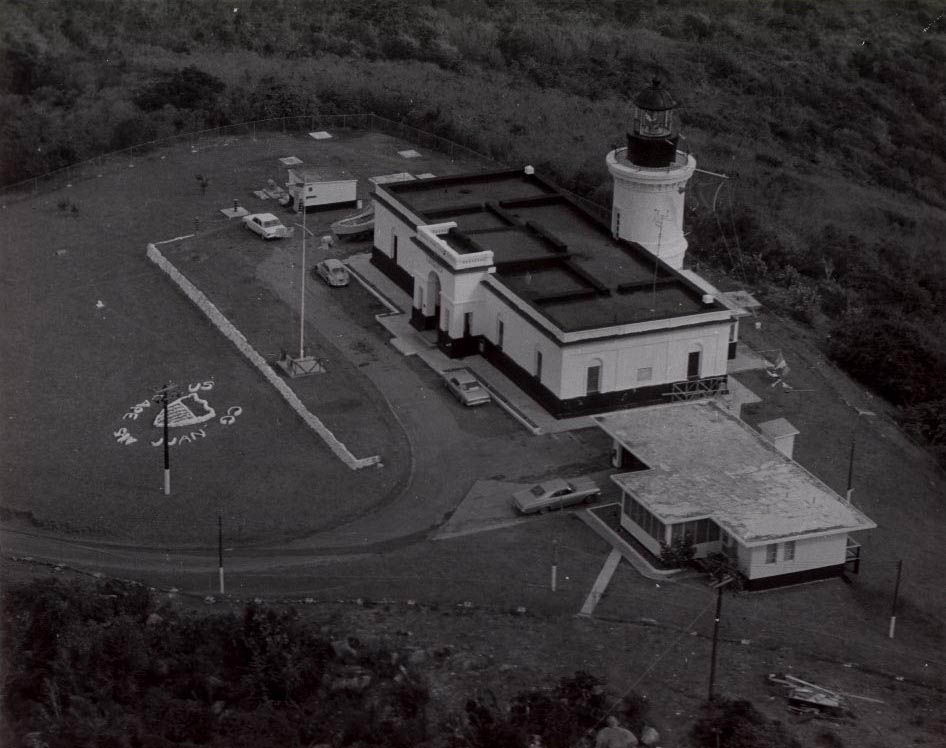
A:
(449, 447)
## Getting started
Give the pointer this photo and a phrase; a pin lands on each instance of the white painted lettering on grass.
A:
(185, 413)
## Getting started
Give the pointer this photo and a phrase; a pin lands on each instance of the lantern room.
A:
(653, 140)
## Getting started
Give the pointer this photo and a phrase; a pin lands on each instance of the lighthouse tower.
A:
(650, 178)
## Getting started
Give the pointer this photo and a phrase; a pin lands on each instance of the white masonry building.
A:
(583, 315)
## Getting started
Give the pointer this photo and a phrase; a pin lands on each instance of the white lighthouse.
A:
(650, 178)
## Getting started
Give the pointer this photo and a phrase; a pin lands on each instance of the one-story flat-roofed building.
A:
(583, 314)
(697, 470)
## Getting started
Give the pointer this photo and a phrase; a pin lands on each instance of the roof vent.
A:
(708, 298)
(530, 170)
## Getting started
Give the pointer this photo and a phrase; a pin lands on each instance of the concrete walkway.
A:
(601, 583)
(635, 559)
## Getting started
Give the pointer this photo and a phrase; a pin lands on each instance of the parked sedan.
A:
(555, 494)
(333, 272)
(467, 389)
(266, 225)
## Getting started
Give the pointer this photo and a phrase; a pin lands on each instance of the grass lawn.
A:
(92, 328)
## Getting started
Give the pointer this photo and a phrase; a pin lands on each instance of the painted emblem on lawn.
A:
(192, 414)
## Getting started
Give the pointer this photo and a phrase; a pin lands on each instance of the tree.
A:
(186, 88)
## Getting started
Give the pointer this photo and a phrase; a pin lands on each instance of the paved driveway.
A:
(451, 447)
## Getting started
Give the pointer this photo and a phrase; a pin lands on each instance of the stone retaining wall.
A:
(239, 340)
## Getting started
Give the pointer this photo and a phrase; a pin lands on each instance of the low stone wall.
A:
(239, 340)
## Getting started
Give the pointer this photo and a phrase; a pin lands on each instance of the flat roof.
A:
(552, 254)
(777, 428)
(704, 462)
(310, 174)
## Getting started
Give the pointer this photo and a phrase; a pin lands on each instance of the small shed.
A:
(781, 433)
(320, 189)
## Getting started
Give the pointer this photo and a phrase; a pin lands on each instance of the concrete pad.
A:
(410, 153)
(261, 194)
(290, 161)
(486, 506)
(320, 135)
(739, 395)
(235, 212)
(746, 360)
(426, 175)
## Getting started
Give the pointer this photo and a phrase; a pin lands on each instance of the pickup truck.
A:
(554, 494)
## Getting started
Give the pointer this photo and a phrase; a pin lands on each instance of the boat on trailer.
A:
(355, 224)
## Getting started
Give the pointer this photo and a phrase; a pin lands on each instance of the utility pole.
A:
(220, 550)
(719, 609)
(850, 468)
(896, 593)
(302, 304)
(850, 463)
(554, 564)
(162, 396)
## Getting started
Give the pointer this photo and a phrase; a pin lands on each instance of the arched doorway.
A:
(432, 301)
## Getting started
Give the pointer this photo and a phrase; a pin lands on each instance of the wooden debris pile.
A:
(805, 697)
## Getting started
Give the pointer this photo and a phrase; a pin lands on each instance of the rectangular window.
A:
(499, 333)
(647, 521)
(594, 379)
(617, 223)
(771, 553)
(394, 247)
(467, 324)
(702, 528)
(732, 332)
(538, 365)
(645, 374)
(693, 365)
(788, 551)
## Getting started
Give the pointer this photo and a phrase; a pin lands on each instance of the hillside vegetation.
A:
(112, 664)
(828, 117)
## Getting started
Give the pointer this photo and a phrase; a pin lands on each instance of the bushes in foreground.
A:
(108, 665)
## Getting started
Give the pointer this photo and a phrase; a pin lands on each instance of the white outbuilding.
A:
(696, 471)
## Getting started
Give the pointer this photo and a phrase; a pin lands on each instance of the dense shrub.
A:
(562, 717)
(738, 724)
(187, 88)
(105, 664)
(679, 552)
(894, 355)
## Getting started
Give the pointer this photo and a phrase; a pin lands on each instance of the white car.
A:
(466, 388)
(333, 272)
(555, 494)
(266, 225)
